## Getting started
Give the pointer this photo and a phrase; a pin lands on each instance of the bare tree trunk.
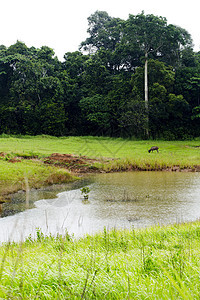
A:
(146, 93)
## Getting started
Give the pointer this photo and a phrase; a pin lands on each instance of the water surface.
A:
(120, 200)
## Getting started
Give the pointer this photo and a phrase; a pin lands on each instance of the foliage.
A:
(99, 91)
(85, 192)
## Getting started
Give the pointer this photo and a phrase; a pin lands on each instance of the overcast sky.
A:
(62, 24)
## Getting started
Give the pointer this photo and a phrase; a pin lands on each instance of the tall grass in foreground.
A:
(154, 263)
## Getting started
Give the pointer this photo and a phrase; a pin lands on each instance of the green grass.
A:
(13, 176)
(153, 263)
(172, 151)
(123, 154)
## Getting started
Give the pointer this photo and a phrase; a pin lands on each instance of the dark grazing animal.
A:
(153, 148)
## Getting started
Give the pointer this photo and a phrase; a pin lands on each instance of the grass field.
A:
(170, 152)
(101, 147)
(123, 154)
(154, 263)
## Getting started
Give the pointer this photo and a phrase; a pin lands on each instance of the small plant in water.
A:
(85, 192)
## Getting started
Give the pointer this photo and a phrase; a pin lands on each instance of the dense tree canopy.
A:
(127, 76)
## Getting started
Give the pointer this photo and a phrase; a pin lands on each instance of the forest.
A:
(138, 78)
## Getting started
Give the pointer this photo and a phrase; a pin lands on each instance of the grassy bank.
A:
(29, 174)
(155, 263)
(113, 154)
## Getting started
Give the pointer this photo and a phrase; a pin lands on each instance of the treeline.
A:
(101, 89)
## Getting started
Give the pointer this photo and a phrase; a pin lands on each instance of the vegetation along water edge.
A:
(43, 160)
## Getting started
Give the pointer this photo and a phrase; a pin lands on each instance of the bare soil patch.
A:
(77, 164)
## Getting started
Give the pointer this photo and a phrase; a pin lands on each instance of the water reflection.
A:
(123, 200)
(19, 200)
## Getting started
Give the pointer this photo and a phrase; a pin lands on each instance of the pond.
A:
(119, 200)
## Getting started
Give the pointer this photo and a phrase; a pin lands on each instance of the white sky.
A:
(62, 24)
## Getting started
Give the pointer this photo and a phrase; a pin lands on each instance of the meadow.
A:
(185, 152)
(151, 263)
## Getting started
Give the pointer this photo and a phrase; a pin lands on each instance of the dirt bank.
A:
(83, 164)
(74, 163)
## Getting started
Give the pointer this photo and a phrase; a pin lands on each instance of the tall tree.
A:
(167, 111)
(104, 31)
(153, 36)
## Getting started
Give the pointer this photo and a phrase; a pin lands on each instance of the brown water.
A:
(120, 200)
